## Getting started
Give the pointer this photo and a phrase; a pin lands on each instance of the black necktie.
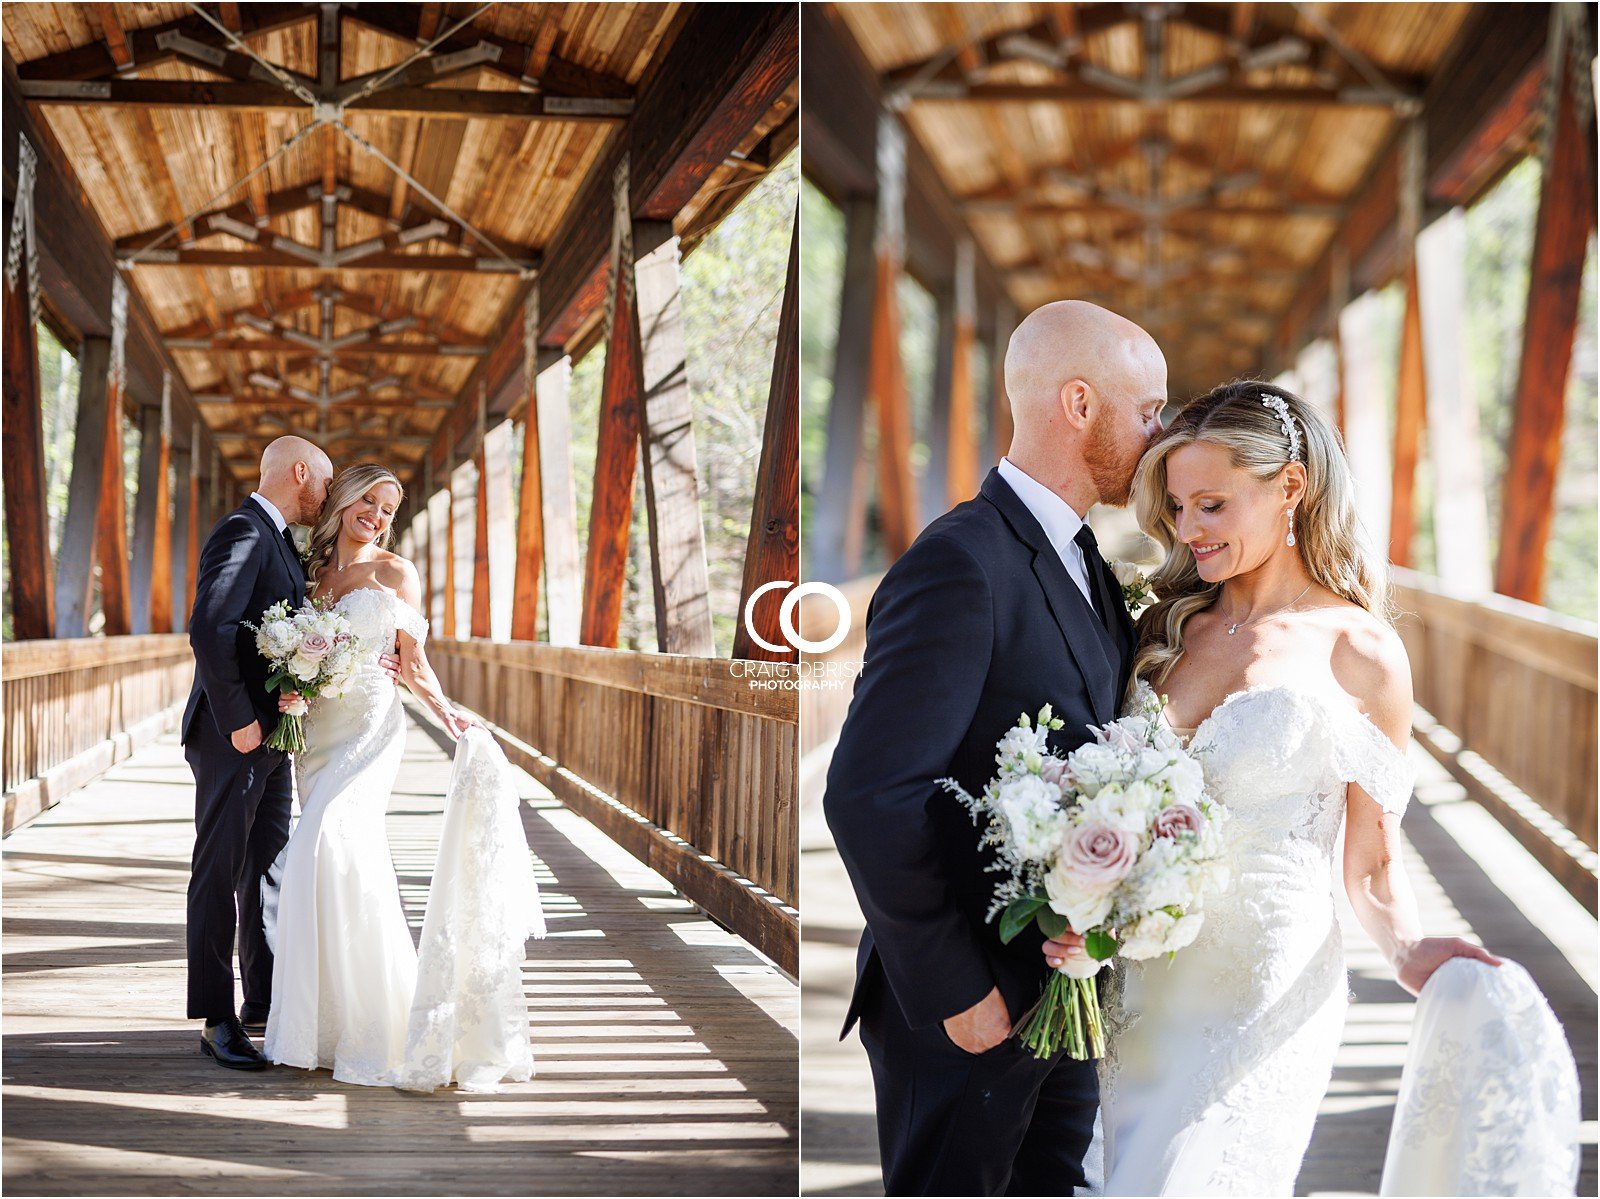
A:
(1095, 567)
(289, 537)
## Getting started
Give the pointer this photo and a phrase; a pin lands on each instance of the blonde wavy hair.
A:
(1328, 536)
(349, 485)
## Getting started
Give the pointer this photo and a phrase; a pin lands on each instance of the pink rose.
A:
(1054, 771)
(1098, 857)
(1119, 736)
(1176, 819)
(314, 647)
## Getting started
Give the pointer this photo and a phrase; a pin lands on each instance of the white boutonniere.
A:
(1136, 593)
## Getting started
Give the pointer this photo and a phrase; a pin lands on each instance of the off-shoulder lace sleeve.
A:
(409, 619)
(1364, 756)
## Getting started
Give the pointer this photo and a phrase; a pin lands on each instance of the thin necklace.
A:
(1245, 624)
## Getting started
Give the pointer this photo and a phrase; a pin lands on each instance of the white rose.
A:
(1093, 766)
(1125, 806)
(1159, 933)
(1127, 572)
(303, 668)
(1083, 909)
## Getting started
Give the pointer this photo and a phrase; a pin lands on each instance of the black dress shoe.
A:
(254, 1018)
(227, 1043)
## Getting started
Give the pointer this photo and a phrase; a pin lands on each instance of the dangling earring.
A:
(1289, 541)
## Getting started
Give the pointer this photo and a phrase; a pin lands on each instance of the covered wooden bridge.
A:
(394, 229)
(1281, 191)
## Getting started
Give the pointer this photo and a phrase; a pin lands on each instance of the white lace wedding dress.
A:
(1217, 1060)
(345, 975)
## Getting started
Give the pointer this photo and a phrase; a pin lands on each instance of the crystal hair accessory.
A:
(1280, 407)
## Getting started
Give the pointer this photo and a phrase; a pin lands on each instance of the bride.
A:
(346, 968)
(1271, 644)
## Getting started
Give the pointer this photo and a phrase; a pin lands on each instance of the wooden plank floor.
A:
(665, 1047)
(1471, 878)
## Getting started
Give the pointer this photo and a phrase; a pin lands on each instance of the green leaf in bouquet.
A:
(1051, 923)
(1100, 945)
(277, 680)
(1016, 916)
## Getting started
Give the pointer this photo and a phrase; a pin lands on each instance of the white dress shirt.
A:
(272, 511)
(1056, 517)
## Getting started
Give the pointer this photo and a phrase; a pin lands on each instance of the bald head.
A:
(1073, 339)
(295, 475)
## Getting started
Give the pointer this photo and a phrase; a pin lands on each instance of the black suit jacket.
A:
(977, 623)
(245, 568)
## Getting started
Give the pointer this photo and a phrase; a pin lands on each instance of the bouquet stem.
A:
(289, 736)
(1067, 1017)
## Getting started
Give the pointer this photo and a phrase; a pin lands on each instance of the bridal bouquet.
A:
(311, 651)
(1118, 841)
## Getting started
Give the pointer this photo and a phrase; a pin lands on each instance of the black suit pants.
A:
(241, 818)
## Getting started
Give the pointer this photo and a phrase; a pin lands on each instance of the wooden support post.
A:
(837, 501)
(439, 572)
(501, 508)
(178, 555)
(75, 562)
(1410, 403)
(480, 527)
(933, 485)
(111, 528)
(161, 544)
(142, 565)
(1411, 394)
(887, 383)
(671, 466)
(1366, 423)
(961, 464)
(1000, 422)
(530, 498)
(773, 552)
(1338, 301)
(1566, 216)
(27, 519)
(617, 449)
(192, 542)
(563, 579)
(1460, 509)
(459, 544)
(530, 529)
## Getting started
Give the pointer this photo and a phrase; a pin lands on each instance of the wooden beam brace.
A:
(773, 550)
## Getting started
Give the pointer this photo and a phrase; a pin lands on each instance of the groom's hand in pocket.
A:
(982, 1026)
(248, 739)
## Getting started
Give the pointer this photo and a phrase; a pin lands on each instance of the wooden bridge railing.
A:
(73, 708)
(1508, 692)
(689, 763)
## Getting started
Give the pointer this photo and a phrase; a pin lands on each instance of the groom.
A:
(1002, 605)
(243, 789)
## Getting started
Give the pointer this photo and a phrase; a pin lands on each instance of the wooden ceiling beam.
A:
(219, 403)
(100, 60)
(461, 104)
(726, 66)
(283, 345)
(1078, 92)
(384, 261)
(556, 77)
(1471, 93)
